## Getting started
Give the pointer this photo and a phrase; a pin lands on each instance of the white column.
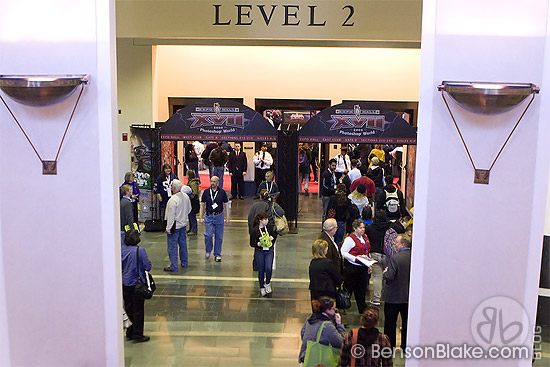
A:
(474, 242)
(60, 243)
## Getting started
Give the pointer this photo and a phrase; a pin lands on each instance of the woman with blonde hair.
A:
(323, 277)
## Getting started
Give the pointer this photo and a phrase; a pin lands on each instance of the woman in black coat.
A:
(323, 277)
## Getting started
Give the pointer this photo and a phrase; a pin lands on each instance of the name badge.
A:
(214, 205)
(265, 248)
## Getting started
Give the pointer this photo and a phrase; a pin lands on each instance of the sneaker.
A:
(167, 268)
(268, 288)
(218, 259)
(207, 256)
(375, 303)
(262, 292)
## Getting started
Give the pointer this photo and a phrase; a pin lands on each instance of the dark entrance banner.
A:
(358, 123)
(218, 120)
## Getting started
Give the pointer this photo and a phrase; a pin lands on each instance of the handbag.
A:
(320, 354)
(144, 290)
(331, 213)
(281, 224)
(343, 298)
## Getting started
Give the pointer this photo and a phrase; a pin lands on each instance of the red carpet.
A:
(205, 183)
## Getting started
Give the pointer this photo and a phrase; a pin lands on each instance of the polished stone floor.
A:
(210, 314)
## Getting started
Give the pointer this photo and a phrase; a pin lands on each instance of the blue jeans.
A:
(264, 260)
(339, 235)
(213, 226)
(218, 171)
(192, 222)
(175, 239)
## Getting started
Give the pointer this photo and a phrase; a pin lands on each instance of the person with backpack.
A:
(304, 157)
(218, 159)
(376, 232)
(391, 200)
(206, 156)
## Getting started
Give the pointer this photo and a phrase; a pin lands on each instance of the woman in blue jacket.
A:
(134, 306)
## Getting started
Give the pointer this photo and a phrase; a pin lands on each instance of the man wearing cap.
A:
(213, 209)
(177, 214)
(343, 163)
(262, 161)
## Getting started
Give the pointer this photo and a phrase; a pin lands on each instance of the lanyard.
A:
(213, 197)
(262, 234)
(269, 187)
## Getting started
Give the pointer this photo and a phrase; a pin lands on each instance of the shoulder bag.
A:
(280, 221)
(144, 290)
(320, 354)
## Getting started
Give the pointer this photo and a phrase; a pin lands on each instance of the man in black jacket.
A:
(328, 185)
(330, 226)
(237, 170)
(218, 159)
(396, 291)
(126, 210)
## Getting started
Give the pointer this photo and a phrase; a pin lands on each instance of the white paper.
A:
(367, 261)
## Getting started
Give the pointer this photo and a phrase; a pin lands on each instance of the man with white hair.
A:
(177, 212)
(330, 226)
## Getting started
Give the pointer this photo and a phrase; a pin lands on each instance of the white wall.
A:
(60, 242)
(135, 94)
(472, 242)
(285, 72)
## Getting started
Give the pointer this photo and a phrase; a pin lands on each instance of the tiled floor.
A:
(210, 314)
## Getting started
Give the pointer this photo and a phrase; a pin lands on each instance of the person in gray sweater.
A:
(324, 309)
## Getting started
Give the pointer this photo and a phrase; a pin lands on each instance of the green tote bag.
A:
(319, 354)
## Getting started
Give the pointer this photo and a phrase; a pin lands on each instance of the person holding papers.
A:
(355, 251)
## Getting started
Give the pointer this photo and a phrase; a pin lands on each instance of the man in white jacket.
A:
(177, 212)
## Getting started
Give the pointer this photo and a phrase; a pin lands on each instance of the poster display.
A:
(141, 147)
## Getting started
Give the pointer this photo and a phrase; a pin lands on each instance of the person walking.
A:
(191, 159)
(126, 210)
(343, 163)
(396, 291)
(237, 170)
(218, 159)
(194, 184)
(214, 210)
(324, 316)
(356, 274)
(304, 156)
(132, 270)
(330, 227)
(177, 217)
(262, 240)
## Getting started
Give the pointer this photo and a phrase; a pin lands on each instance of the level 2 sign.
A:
(291, 15)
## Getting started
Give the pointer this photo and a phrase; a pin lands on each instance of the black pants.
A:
(356, 281)
(237, 183)
(135, 205)
(391, 311)
(135, 308)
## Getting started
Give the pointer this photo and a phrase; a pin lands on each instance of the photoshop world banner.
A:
(358, 123)
(218, 120)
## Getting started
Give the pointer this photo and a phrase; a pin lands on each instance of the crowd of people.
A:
(354, 250)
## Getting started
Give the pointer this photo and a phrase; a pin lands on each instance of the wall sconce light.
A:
(42, 91)
(487, 99)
